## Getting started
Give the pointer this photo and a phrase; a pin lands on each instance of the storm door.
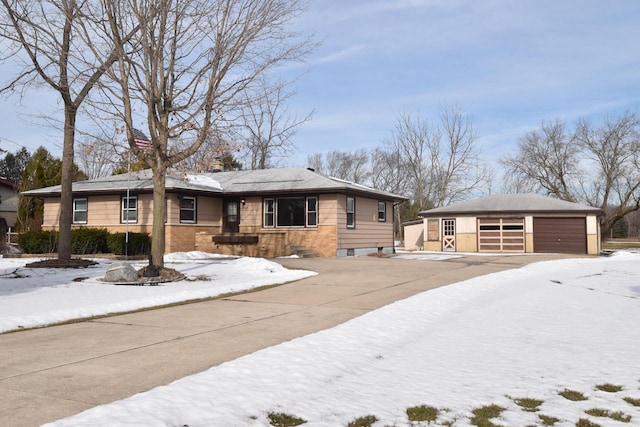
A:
(449, 235)
(231, 218)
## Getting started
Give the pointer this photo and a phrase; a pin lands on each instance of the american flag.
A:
(141, 140)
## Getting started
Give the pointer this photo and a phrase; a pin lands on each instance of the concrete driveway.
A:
(55, 372)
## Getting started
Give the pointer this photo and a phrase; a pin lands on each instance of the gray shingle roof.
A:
(288, 180)
(511, 203)
(135, 181)
(265, 181)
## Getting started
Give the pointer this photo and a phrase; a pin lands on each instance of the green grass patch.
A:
(632, 401)
(609, 388)
(365, 421)
(583, 422)
(280, 419)
(482, 416)
(528, 404)
(572, 395)
(422, 413)
(548, 420)
(605, 413)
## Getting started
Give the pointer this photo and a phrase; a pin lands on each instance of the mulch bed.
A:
(164, 274)
(60, 263)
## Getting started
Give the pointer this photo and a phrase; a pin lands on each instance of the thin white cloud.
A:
(341, 54)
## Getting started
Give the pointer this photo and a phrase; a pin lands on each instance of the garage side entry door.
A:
(500, 234)
(560, 235)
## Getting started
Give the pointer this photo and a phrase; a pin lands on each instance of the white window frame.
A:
(269, 213)
(382, 213)
(85, 211)
(124, 219)
(351, 211)
(194, 210)
(309, 211)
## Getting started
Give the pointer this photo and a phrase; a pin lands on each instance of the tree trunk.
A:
(66, 194)
(158, 232)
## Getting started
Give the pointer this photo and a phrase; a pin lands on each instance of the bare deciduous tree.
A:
(187, 68)
(315, 161)
(267, 125)
(348, 165)
(388, 174)
(547, 159)
(55, 40)
(598, 165)
(98, 157)
(614, 151)
(461, 171)
(442, 160)
(217, 147)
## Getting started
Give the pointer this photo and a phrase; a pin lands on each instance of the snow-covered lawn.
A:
(527, 333)
(31, 297)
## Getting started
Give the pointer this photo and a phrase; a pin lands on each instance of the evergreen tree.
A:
(42, 170)
(13, 164)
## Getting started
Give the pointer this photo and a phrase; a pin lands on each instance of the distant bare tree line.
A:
(597, 164)
(438, 163)
(434, 163)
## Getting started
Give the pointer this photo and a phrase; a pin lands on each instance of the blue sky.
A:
(508, 64)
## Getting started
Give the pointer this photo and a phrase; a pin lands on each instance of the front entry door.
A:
(231, 216)
(449, 235)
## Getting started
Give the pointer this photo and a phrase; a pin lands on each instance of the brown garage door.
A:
(561, 235)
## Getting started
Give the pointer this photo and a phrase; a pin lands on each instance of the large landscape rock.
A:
(122, 273)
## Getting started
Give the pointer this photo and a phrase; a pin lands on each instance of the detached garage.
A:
(513, 223)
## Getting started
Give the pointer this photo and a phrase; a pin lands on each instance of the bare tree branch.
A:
(187, 69)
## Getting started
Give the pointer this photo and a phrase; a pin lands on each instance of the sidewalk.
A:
(51, 373)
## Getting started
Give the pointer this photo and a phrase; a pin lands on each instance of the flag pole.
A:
(126, 223)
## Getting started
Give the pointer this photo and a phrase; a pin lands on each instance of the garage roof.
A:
(512, 203)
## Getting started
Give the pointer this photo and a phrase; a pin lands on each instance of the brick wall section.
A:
(321, 240)
(184, 238)
(272, 243)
